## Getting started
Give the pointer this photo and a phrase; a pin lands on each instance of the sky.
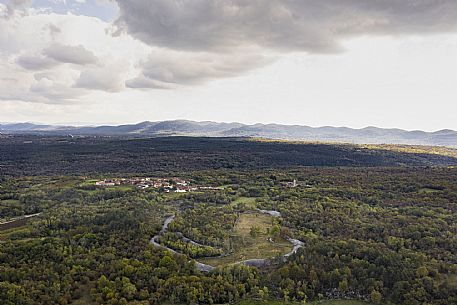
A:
(354, 63)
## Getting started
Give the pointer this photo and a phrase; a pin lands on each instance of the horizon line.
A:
(76, 124)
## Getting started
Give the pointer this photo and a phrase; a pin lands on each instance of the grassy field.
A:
(88, 182)
(249, 202)
(415, 149)
(247, 246)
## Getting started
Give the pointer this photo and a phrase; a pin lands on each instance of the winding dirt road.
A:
(260, 262)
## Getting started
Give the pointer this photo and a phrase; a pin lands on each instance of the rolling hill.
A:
(368, 135)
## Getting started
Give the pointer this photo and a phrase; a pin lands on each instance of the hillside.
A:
(368, 135)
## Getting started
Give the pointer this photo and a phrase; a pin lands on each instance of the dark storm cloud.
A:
(316, 26)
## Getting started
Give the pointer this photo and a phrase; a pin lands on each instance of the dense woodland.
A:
(385, 235)
(45, 155)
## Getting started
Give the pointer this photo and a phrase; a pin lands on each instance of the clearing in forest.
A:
(248, 202)
(255, 236)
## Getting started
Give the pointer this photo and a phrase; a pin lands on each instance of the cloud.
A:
(168, 69)
(53, 30)
(108, 79)
(50, 58)
(78, 55)
(41, 90)
(56, 52)
(19, 3)
(143, 82)
(36, 62)
(54, 91)
(315, 26)
(13, 5)
(44, 55)
(174, 43)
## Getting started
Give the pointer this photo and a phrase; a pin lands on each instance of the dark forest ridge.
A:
(368, 135)
(43, 155)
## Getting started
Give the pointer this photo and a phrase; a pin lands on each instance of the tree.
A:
(422, 271)
(167, 262)
(261, 294)
(376, 297)
(343, 285)
(102, 282)
(128, 289)
(275, 230)
(254, 231)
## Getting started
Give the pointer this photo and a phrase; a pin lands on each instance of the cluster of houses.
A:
(176, 185)
(290, 183)
(168, 185)
(295, 183)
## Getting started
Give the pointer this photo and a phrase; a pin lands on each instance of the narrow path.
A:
(19, 218)
(200, 266)
(163, 230)
(297, 245)
(270, 212)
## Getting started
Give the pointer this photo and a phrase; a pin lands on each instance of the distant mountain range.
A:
(368, 135)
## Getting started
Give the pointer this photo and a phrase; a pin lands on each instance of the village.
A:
(166, 185)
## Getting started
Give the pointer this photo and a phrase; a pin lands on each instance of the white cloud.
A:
(52, 90)
(13, 7)
(81, 51)
(50, 58)
(39, 62)
(189, 43)
(108, 78)
(70, 54)
(169, 69)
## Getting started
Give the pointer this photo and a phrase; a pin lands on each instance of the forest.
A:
(46, 155)
(376, 226)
